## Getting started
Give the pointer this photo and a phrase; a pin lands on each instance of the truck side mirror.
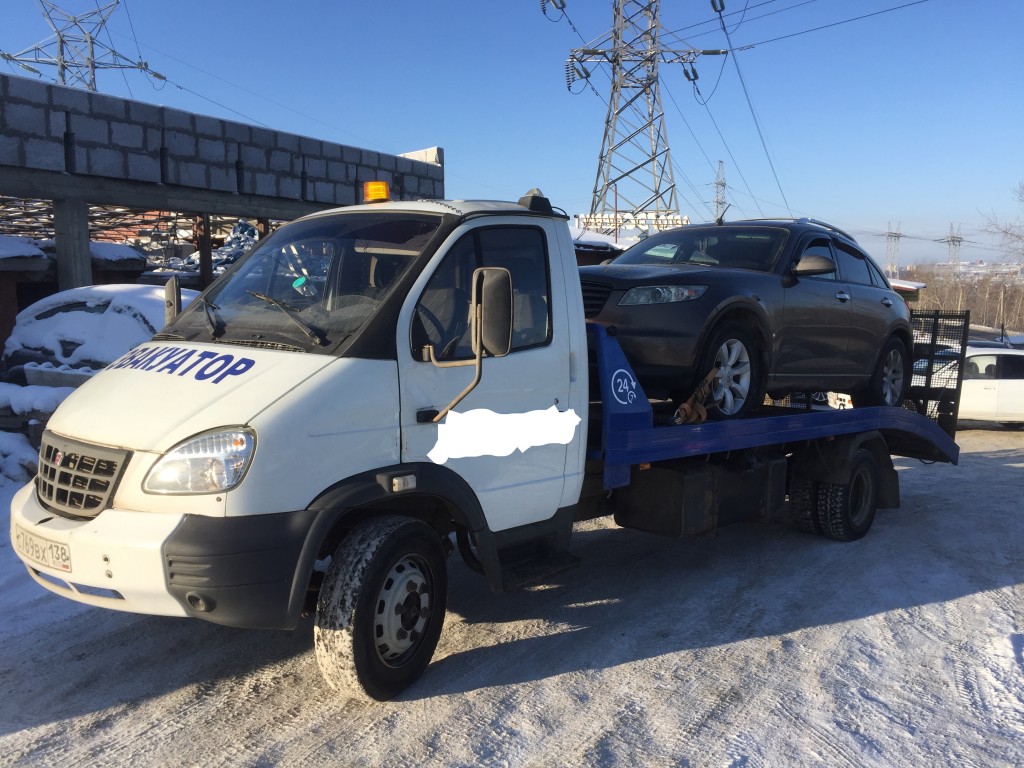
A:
(491, 326)
(495, 299)
(172, 299)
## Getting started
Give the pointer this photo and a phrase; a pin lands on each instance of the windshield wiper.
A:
(312, 333)
(209, 311)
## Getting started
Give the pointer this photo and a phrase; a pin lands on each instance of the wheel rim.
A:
(892, 377)
(861, 498)
(732, 384)
(403, 610)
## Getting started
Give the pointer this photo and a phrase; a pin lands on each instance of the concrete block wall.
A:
(54, 128)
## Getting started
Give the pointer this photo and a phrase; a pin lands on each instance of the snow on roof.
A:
(19, 247)
(113, 252)
(12, 246)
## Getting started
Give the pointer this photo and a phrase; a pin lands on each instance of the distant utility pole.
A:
(953, 240)
(635, 184)
(720, 203)
(892, 251)
(75, 48)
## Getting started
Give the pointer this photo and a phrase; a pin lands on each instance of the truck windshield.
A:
(312, 283)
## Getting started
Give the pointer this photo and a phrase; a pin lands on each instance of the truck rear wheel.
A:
(803, 503)
(381, 607)
(846, 511)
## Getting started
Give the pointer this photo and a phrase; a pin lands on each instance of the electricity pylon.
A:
(75, 48)
(635, 183)
(720, 202)
(892, 251)
(953, 240)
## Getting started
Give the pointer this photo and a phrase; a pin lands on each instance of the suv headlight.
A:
(662, 294)
(208, 463)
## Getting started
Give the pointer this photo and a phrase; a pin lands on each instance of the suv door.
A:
(815, 323)
(874, 309)
(516, 475)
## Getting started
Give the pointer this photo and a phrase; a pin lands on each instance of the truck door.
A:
(508, 438)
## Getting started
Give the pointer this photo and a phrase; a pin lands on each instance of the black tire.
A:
(846, 512)
(891, 377)
(803, 504)
(381, 607)
(739, 387)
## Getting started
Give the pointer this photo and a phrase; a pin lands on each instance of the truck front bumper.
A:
(114, 560)
(236, 571)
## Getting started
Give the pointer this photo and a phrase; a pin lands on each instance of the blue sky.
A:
(911, 117)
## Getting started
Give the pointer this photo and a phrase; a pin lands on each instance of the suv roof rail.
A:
(826, 225)
(806, 220)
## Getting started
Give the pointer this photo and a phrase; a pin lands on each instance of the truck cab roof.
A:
(532, 203)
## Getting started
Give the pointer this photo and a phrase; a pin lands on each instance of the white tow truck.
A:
(373, 387)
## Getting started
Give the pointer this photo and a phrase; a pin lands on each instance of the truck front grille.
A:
(595, 295)
(75, 479)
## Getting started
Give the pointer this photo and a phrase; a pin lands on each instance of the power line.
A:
(834, 24)
(750, 104)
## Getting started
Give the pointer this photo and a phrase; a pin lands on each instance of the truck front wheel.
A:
(381, 607)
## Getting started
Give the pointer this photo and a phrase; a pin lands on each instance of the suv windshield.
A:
(736, 247)
(312, 283)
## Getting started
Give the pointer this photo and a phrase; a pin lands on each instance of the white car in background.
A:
(993, 386)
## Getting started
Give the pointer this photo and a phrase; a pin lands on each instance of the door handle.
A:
(887, 301)
(843, 296)
(426, 415)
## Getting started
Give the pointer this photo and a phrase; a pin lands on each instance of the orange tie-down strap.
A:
(693, 410)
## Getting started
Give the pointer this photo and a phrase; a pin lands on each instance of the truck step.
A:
(531, 572)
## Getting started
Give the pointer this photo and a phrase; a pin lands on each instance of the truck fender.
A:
(348, 499)
(829, 461)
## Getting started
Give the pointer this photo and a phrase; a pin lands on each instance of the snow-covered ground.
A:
(758, 647)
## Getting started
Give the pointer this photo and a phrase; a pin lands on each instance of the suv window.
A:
(442, 314)
(876, 275)
(853, 267)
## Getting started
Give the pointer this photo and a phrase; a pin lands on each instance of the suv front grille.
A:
(77, 479)
(595, 295)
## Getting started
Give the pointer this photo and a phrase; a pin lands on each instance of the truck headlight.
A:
(208, 463)
(662, 294)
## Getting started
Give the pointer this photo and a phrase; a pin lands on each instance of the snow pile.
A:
(23, 400)
(18, 459)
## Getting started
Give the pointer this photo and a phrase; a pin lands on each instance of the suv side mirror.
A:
(813, 264)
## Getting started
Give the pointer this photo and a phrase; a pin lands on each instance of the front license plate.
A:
(50, 554)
